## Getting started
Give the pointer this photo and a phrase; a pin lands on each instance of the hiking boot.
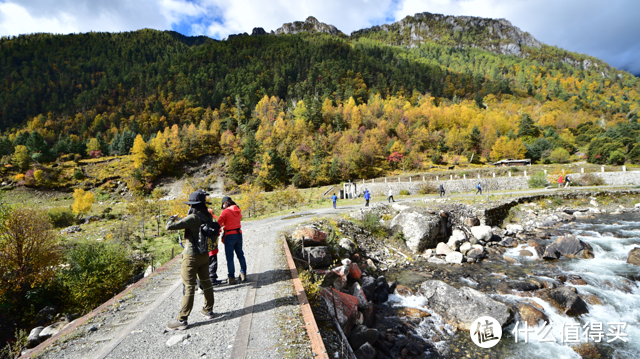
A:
(216, 282)
(231, 281)
(178, 325)
(243, 277)
(209, 315)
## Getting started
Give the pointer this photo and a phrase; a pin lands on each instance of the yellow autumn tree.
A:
(139, 152)
(21, 157)
(82, 202)
(252, 200)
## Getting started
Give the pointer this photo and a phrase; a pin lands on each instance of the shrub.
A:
(29, 254)
(311, 285)
(96, 272)
(617, 157)
(426, 189)
(538, 180)
(559, 155)
(371, 222)
(78, 174)
(404, 192)
(590, 179)
(61, 217)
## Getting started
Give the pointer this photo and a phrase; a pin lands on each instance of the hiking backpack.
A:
(207, 236)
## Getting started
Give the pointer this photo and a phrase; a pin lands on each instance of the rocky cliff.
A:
(311, 24)
(495, 35)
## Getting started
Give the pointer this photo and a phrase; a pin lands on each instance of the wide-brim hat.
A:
(197, 197)
(224, 199)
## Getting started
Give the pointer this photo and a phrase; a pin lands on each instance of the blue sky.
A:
(605, 29)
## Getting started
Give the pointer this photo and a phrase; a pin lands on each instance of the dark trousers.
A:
(334, 204)
(391, 199)
(213, 269)
(367, 204)
(479, 191)
(233, 243)
(441, 193)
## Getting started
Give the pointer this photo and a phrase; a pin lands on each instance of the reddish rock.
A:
(346, 307)
(309, 236)
(634, 256)
(591, 299)
(354, 271)
(587, 351)
(415, 313)
(404, 291)
(531, 315)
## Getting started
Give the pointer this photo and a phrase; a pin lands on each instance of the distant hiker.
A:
(334, 198)
(560, 181)
(567, 181)
(232, 239)
(195, 259)
(479, 188)
(441, 189)
(367, 197)
(390, 198)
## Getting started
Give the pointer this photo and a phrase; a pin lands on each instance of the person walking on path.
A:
(390, 198)
(560, 181)
(441, 189)
(194, 265)
(367, 197)
(567, 181)
(232, 238)
(479, 188)
(334, 198)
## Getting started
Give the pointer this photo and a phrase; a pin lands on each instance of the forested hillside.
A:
(310, 108)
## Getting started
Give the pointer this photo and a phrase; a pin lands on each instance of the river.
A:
(607, 276)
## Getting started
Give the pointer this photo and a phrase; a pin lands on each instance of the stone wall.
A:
(488, 184)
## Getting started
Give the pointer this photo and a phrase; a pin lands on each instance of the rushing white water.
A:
(608, 276)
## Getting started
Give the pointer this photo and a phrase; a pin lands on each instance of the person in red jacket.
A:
(232, 239)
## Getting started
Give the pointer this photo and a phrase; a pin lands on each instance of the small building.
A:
(510, 162)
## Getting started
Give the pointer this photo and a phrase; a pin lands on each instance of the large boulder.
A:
(318, 256)
(515, 228)
(51, 330)
(366, 351)
(634, 256)
(347, 245)
(568, 246)
(34, 337)
(361, 335)
(482, 233)
(310, 236)
(457, 238)
(465, 247)
(346, 308)
(420, 228)
(443, 249)
(565, 299)
(460, 307)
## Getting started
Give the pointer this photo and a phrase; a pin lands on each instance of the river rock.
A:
(310, 236)
(358, 292)
(465, 247)
(457, 237)
(51, 330)
(515, 228)
(366, 351)
(177, 339)
(427, 254)
(531, 315)
(34, 337)
(415, 313)
(634, 256)
(570, 246)
(404, 291)
(460, 307)
(587, 351)
(419, 227)
(436, 260)
(347, 245)
(551, 252)
(369, 286)
(525, 253)
(565, 299)
(508, 242)
(471, 222)
(318, 256)
(443, 249)
(508, 259)
(360, 335)
(454, 258)
(346, 307)
(482, 233)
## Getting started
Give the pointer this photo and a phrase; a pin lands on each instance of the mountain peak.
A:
(311, 24)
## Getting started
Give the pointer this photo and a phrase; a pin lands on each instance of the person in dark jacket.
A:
(367, 197)
(194, 265)
(441, 189)
(232, 239)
